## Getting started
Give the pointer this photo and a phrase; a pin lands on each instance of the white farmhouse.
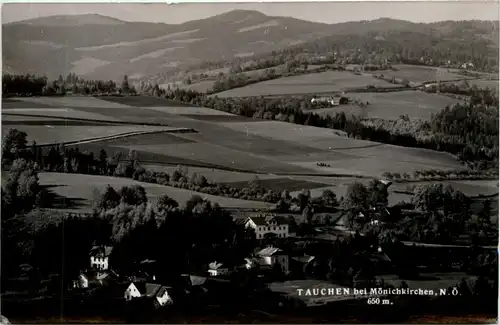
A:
(272, 256)
(149, 290)
(99, 257)
(217, 269)
(268, 225)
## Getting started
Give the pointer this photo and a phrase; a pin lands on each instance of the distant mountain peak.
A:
(71, 20)
(240, 14)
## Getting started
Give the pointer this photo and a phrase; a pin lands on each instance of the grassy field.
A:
(345, 155)
(415, 104)
(58, 112)
(148, 139)
(212, 174)
(142, 101)
(259, 146)
(73, 101)
(48, 134)
(468, 187)
(186, 110)
(280, 184)
(491, 84)
(81, 188)
(323, 82)
(17, 103)
(419, 74)
(217, 155)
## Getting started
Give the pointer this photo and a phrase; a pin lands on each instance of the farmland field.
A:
(468, 187)
(193, 110)
(491, 84)
(58, 112)
(212, 174)
(217, 155)
(16, 103)
(48, 134)
(141, 101)
(415, 104)
(323, 82)
(280, 184)
(73, 101)
(418, 74)
(259, 146)
(79, 186)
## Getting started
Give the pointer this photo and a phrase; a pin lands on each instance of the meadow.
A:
(417, 74)
(346, 156)
(212, 174)
(52, 134)
(58, 113)
(257, 146)
(83, 188)
(280, 184)
(391, 105)
(468, 187)
(323, 82)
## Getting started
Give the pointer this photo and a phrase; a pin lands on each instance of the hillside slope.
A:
(99, 47)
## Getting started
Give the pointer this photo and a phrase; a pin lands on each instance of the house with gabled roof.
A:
(217, 269)
(159, 293)
(272, 256)
(270, 224)
(99, 257)
(93, 278)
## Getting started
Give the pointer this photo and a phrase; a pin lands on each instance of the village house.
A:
(217, 269)
(159, 293)
(333, 101)
(99, 257)
(467, 66)
(272, 256)
(268, 225)
(93, 278)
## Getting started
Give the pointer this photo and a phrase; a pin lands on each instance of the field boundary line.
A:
(87, 120)
(112, 137)
(247, 171)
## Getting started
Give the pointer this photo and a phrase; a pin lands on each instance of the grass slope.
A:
(323, 82)
(77, 186)
(415, 104)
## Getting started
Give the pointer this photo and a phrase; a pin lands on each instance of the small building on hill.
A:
(93, 278)
(268, 225)
(159, 293)
(99, 257)
(272, 256)
(217, 269)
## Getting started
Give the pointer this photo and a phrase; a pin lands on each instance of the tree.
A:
(125, 86)
(304, 199)
(13, 146)
(133, 195)
(378, 194)
(356, 197)
(308, 214)
(108, 199)
(484, 215)
(329, 198)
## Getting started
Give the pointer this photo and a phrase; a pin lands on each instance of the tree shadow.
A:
(56, 201)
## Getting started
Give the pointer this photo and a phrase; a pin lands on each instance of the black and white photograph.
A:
(259, 162)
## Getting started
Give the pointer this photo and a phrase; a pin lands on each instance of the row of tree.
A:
(30, 85)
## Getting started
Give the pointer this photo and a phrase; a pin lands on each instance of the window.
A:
(274, 228)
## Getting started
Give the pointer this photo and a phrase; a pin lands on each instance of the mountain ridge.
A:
(101, 47)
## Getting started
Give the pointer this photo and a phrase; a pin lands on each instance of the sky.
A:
(326, 12)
